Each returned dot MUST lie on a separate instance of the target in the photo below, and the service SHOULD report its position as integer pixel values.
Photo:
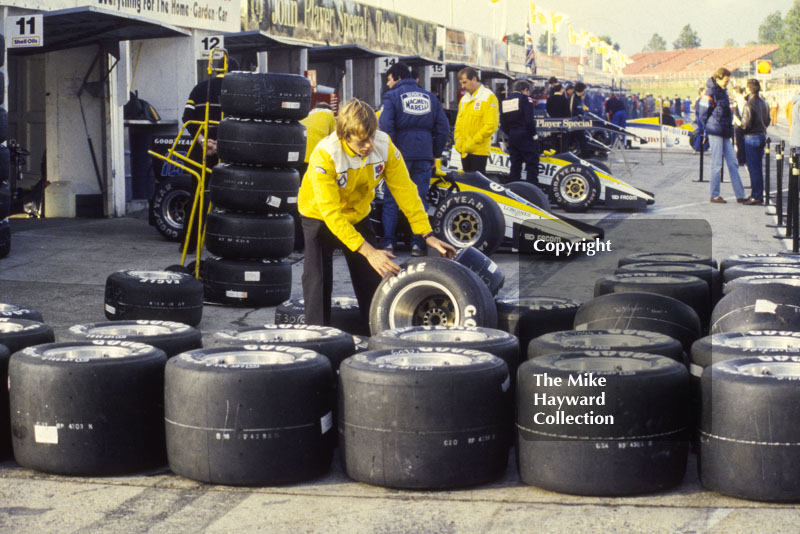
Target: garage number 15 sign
(25, 31)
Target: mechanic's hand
(211, 148)
(445, 249)
(380, 260)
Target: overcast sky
(630, 23)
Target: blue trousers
(420, 171)
(722, 147)
(754, 152)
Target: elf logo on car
(469, 315)
(547, 169)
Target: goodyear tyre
(88, 408)
(575, 188)
(604, 340)
(637, 442)
(765, 307)
(414, 418)
(470, 219)
(345, 315)
(249, 237)
(265, 95)
(154, 295)
(261, 142)
(16, 334)
(282, 398)
(173, 338)
(247, 283)
(254, 189)
(432, 292)
(530, 317)
(172, 204)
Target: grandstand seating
(694, 62)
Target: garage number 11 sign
(25, 31)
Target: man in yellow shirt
(334, 202)
(477, 120)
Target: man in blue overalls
(519, 125)
(416, 123)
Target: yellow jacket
(340, 185)
(319, 124)
(478, 116)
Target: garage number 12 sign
(25, 31)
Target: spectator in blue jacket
(716, 115)
(416, 123)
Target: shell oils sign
(764, 67)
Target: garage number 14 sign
(25, 31)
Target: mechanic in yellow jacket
(334, 202)
(319, 124)
(477, 120)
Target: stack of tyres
(254, 188)
(5, 170)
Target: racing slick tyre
(154, 295)
(5, 238)
(265, 95)
(531, 317)
(5, 422)
(641, 311)
(601, 340)
(12, 311)
(440, 410)
(737, 271)
(760, 279)
(249, 237)
(172, 338)
(716, 348)
(737, 456)
(88, 408)
(530, 192)
(575, 188)
(470, 219)
(3, 124)
(759, 259)
(687, 289)
(16, 334)
(636, 441)
(261, 142)
(432, 292)
(282, 398)
(172, 204)
(480, 264)
(345, 315)
(254, 189)
(705, 272)
(248, 283)
(502, 344)
(766, 307)
(330, 342)
(667, 257)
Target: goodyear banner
(343, 22)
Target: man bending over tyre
(334, 203)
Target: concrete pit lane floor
(59, 267)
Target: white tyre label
(765, 306)
(275, 202)
(294, 156)
(252, 276)
(111, 309)
(45, 434)
(326, 422)
(236, 294)
(290, 105)
(291, 200)
(695, 370)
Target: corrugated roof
(695, 61)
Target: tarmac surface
(59, 266)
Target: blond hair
(356, 119)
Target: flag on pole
(530, 53)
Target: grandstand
(693, 62)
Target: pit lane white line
(657, 210)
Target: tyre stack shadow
(250, 231)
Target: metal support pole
(778, 187)
(766, 173)
(790, 202)
(702, 142)
(794, 180)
